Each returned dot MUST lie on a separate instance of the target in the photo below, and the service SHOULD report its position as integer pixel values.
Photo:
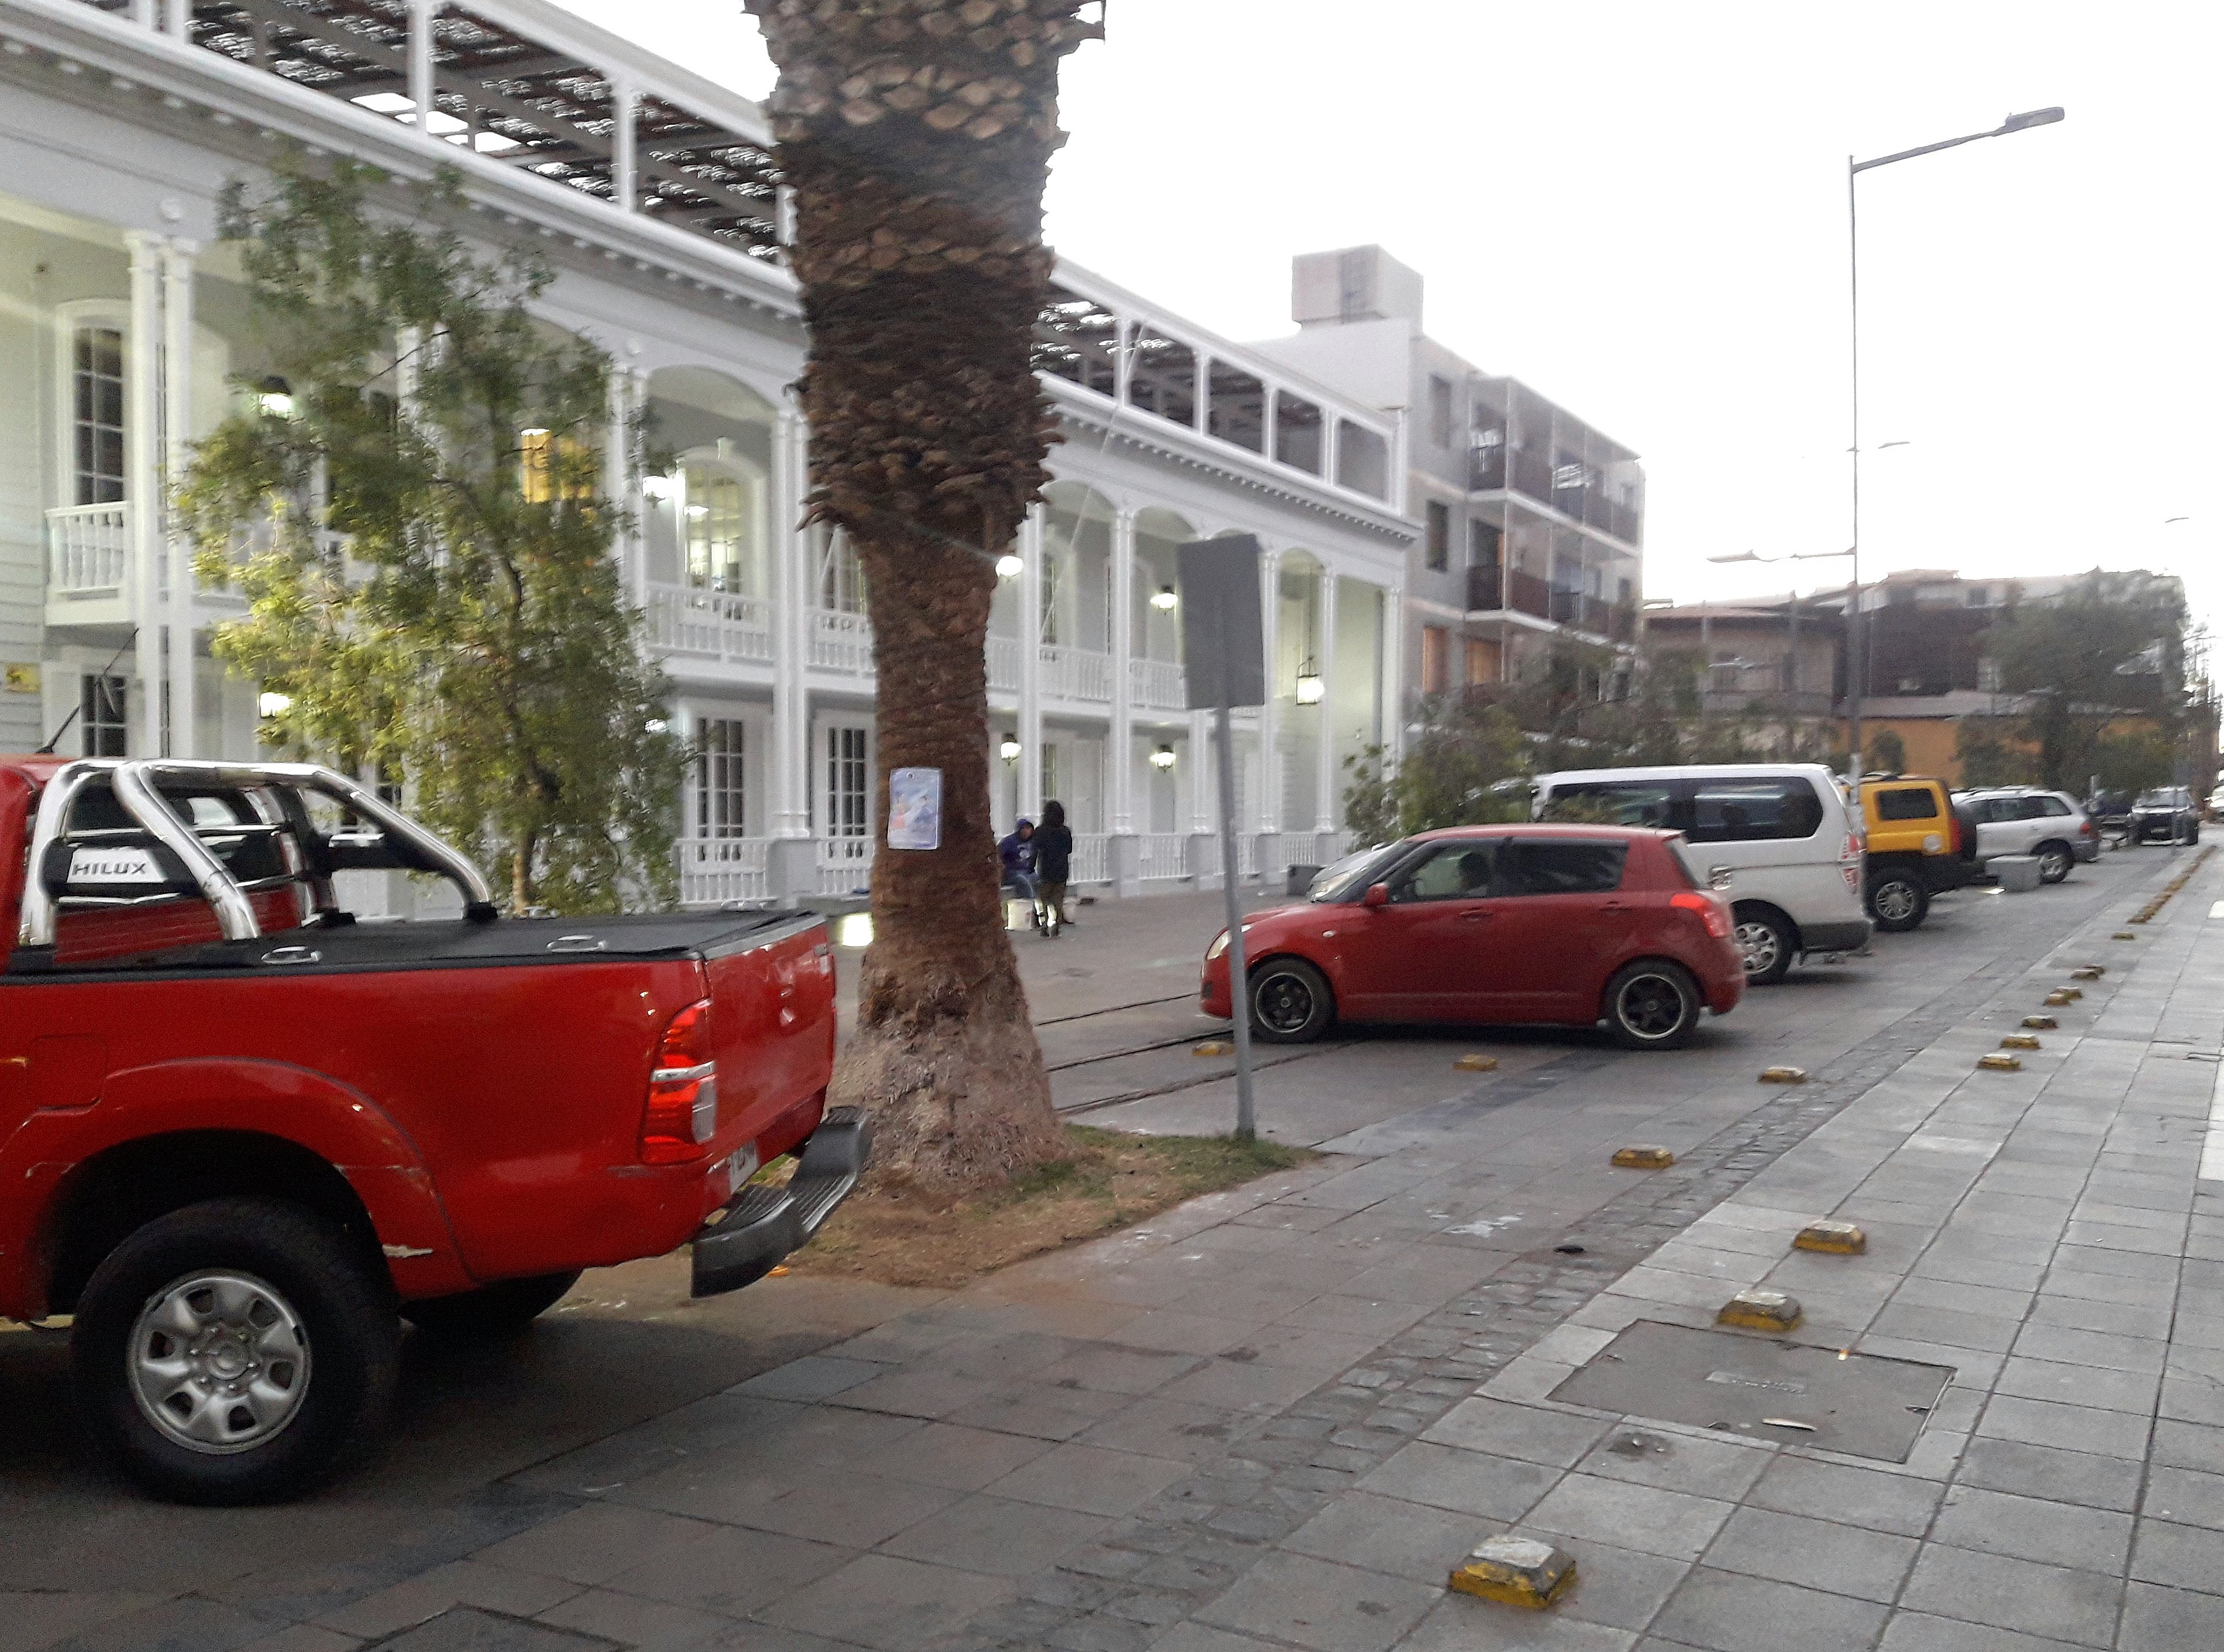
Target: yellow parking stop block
(1783, 1075)
(1476, 1064)
(1515, 1572)
(2062, 994)
(2041, 1023)
(2020, 1042)
(1833, 1238)
(1214, 1047)
(2087, 972)
(1760, 1309)
(1643, 1158)
(1997, 1063)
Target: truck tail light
(1710, 910)
(682, 1112)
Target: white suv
(1777, 838)
(2051, 826)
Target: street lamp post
(1857, 624)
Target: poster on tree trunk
(915, 808)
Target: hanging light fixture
(275, 397)
(1309, 682)
(1008, 750)
(1008, 566)
(1163, 759)
(1163, 599)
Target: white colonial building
(125, 331)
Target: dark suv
(2166, 814)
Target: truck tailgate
(772, 1009)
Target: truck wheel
(1899, 900)
(1651, 1005)
(1290, 1002)
(1764, 944)
(2054, 860)
(235, 1352)
(492, 1310)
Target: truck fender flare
(335, 1122)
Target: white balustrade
(1004, 663)
(1158, 684)
(1091, 860)
(845, 864)
(714, 871)
(1164, 856)
(841, 643)
(1247, 854)
(88, 548)
(711, 624)
(1075, 673)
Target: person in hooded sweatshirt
(1017, 852)
(1053, 846)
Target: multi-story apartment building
(1532, 521)
(125, 331)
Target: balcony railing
(1165, 857)
(1524, 593)
(1091, 861)
(711, 624)
(1004, 663)
(841, 643)
(845, 864)
(1533, 477)
(1075, 673)
(88, 549)
(714, 871)
(1157, 684)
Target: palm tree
(916, 137)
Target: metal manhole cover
(1865, 1405)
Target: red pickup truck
(243, 1135)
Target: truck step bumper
(760, 1224)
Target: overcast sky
(1640, 209)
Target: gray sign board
(1223, 636)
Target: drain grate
(1788, 1393)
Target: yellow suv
(1918, 845)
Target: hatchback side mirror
(1377, 895)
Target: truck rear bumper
(745, 1238)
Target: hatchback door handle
(1475, 917)
(1615, 905)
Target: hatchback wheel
(1898, 901)
(1290, 1002)
(2055, 861)
(1651, 1005)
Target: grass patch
(899, 1235)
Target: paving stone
(848, 1510)
(1642, 1517)
(1444, 1477)
(1793, 1549)
(467, 1628)
(732, 1572)
(2185, 1557)
(1724, 1611)
(1322, 1605)
(1920, 1632)
(997, 1536)
(889, 1604)
(1844, 1495)
(1090, 1478)
(2111, 1391)
(2156, 1619)
(2077, 1427)
(594, 1544)
(651, 1625)
(2045, 1471)
(813, 1377)
(2009, 1593)
(188, 1623)
(1678, 1462)
(2035, 1528)
(1504, 1429)
(1406, 1539)
(468, 1583)
(1457, 1623)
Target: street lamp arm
(2012, 123)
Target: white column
(1201, 782)
(1030, 728)
(793, 593)
(1121, 739)
(177, 436)
(142, 486)
(143, 13)
(421, 13)
(1393, 667)
(623, 486)
(1268, 809)
(624, 185)
(178, 17)
(1324, 768)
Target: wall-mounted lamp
(275, 397)
(656, 487)
(1163, 599)
(1309, 683)
(1163, 759)
(273, 704)
(1008, 566)
(1008, 750)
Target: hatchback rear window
(1907, 803)
(1731, 810)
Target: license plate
(741, 1168)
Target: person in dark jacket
(1053, 848)
(1017, 852)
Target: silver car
(2050, 827)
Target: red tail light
(2085, 827)
(1710, 910)
(682, 1111)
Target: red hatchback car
(1570, 925)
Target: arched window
(720, 528)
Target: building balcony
(1533, 478)
(711, 624)
(1524, 593)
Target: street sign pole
(1224, 651)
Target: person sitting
(1017, 853)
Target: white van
(1777, 836)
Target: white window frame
(70, 319)
(823, 731)
(756, 514)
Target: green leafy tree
(2109, 648)
(1887, 752)
(424, 540)
(1990, 752)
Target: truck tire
(492, 1310)
(238, 1350)
(1898, 899)
(1765, 943)
(2054, 860)
(1290, 1002)
(1653, 1004)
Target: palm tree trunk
(916, 136)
